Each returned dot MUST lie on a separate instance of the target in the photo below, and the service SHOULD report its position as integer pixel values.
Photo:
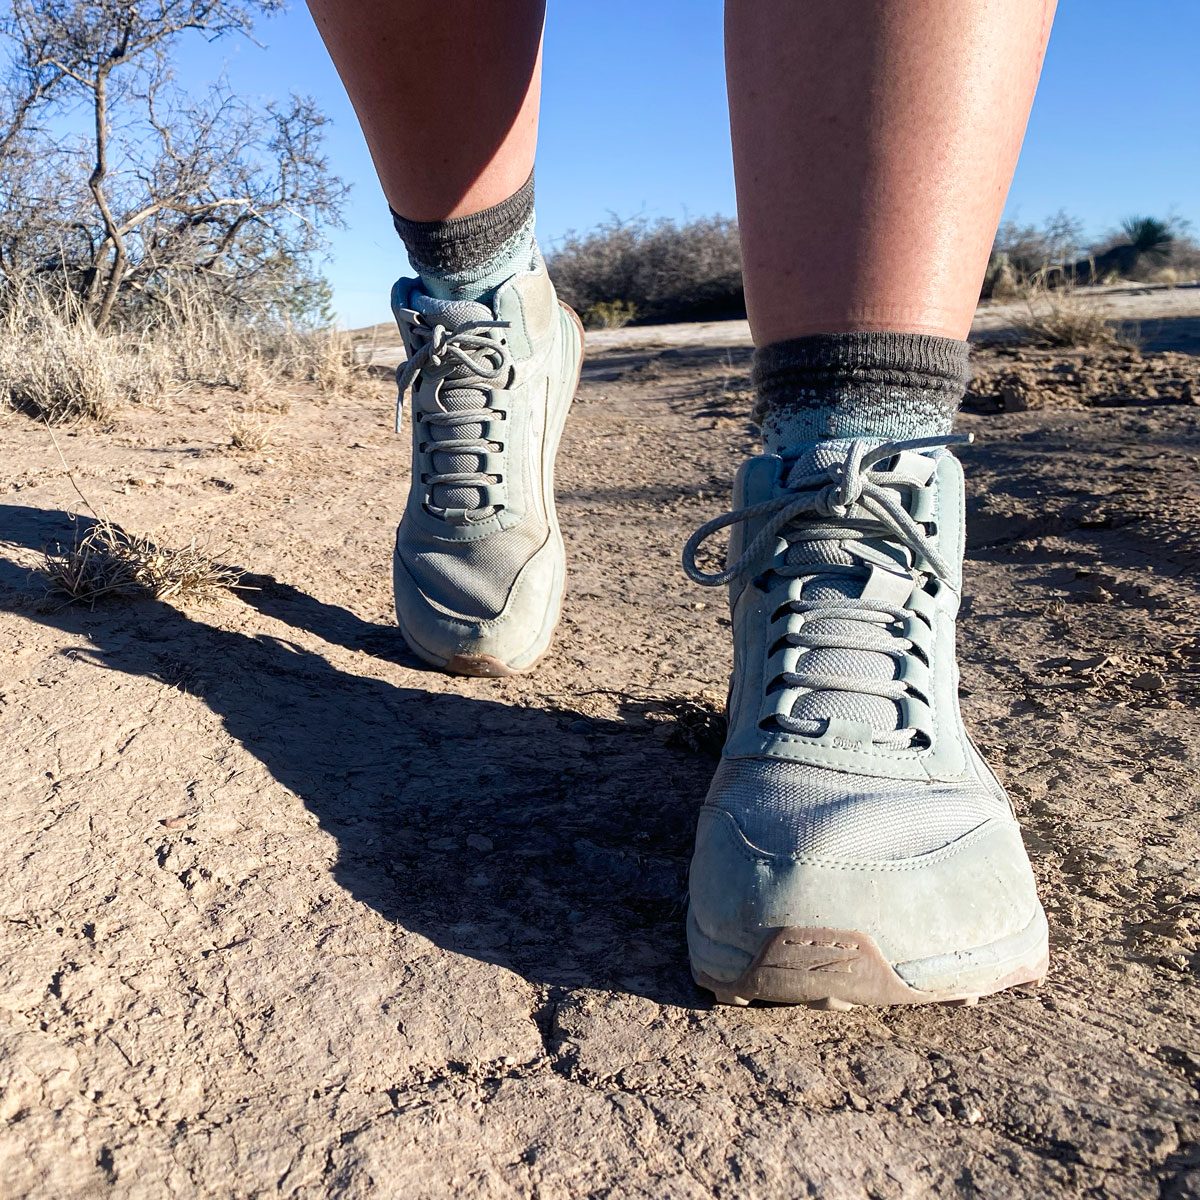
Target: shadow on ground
(538, 839)
(1181, 334)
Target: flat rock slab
(285, 914)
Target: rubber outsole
(841, 969)
(487, 666)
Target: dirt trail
(286, 915)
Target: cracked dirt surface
(283, 914)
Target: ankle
(845, 385)
(465, 258)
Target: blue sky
(634, 121)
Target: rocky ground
(284, 914)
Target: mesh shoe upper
(472, 579)
(787, 808)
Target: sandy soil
(284, 914)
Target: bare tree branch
(168, 187)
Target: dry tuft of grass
(250, 428)
(1065, 318)
(108, 562)
(327, 357)
(608, 314)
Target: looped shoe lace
(844, 503)
(471, 361)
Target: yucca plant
(1144, 238)
(1148, 236)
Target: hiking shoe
(854, 848)
(479, 564)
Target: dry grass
(56, 366)
(608, 314)
(1065, 317)
(329, 360)
(250, 428)
(108, 562)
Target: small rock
(1014, 395)
(478, 842)
(1148, 681)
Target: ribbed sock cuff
(468, 243)
(838, 385)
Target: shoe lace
(824, 506)
(473, 360)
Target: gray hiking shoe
(479, 565)
(854, 848)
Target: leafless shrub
(174, 243)
(1023, 254)
(109, 562)
(668, 271)
(168, 186)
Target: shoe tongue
(881, 714)
(454, 314)
(815, 457)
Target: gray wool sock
(464, 258)
(844, 385)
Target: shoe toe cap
(462, 634)
(976, 890)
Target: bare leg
(874, 144)
(449, 105)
